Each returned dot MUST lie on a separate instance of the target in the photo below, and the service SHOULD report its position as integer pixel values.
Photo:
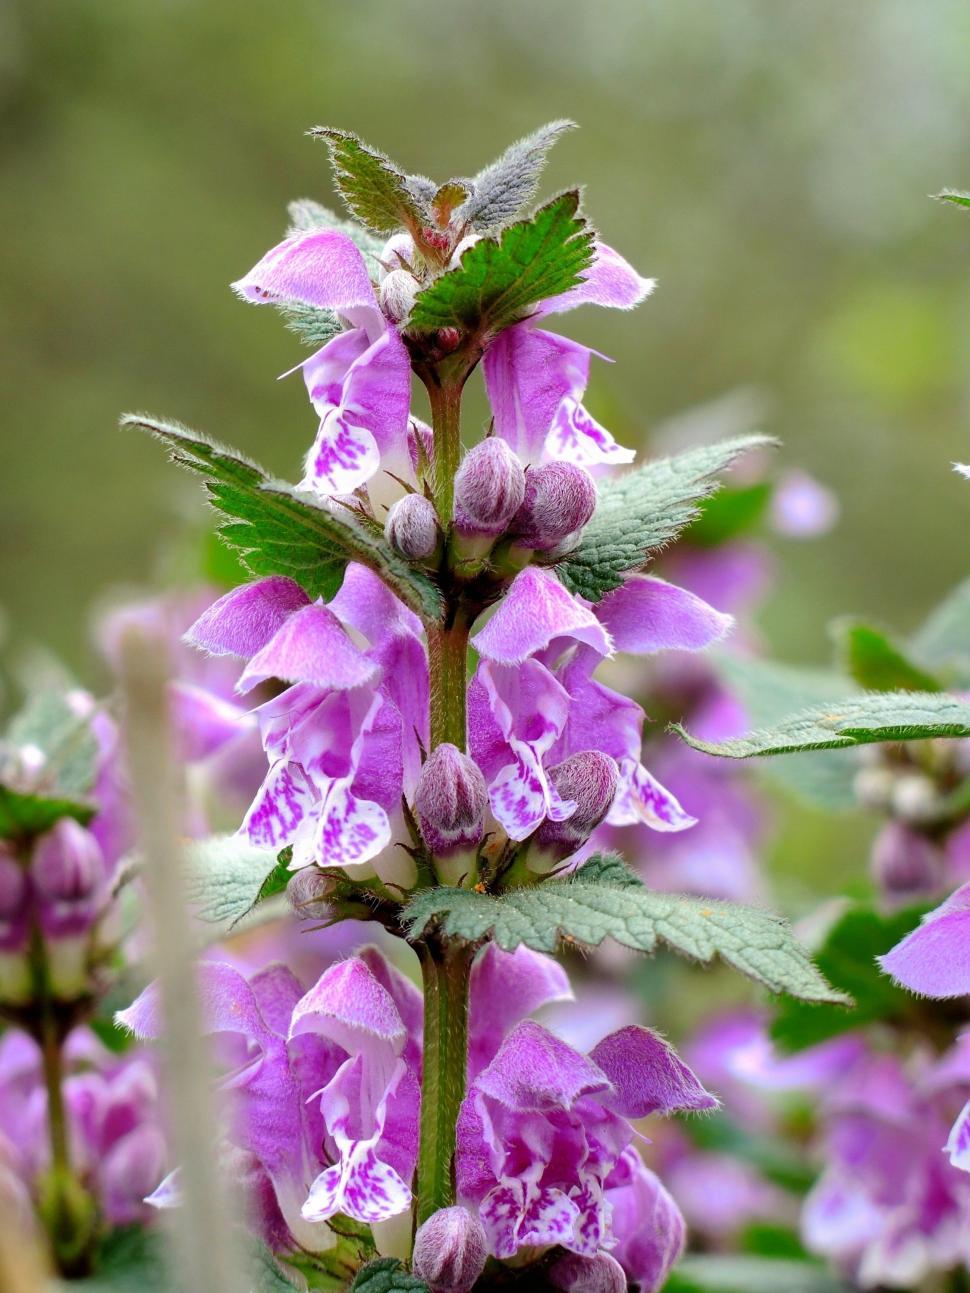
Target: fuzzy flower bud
(412, 527)
(489, 488)
(589, 780)
(559, 499)
(914, 798)
(68, 875)
(599, 1274)
(397, 292)
(450, 1250)
(450, 803)
(905, 864)
(309, 892)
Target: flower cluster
(324, 1108)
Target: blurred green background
(769, 163)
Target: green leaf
(643, 510)
(23, 816)
(314, 326)
(48, 761)
(282, 531)
(226, 877)
(499, 278)
(373, 188)
(501, 190)
(729, 513)
(386, 1275)
(769, 692)
(875, 662)
(956, 196)
(944, 639)
(134, 1260)
(736, 1274)
(847, 958)
(608, 868)
(586, 910)
(865, 719)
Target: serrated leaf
(956, 196)
(225, 879)
(875, 662)
(607, 868)
(584, 911)
(847, 958)
(445, 199)
(944, 639)
(501, 190)
(868, 718)
(737, 1274)
(315, 327)
(280, 531)
(500, 278)
(643, 510)
(373, 188)
(386, 1275)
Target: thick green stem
(446, 969)
(448, 659)
(445, 401)
(54, 1082)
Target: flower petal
(609, 281)
(646, 614)
(283, 802)
(536, 610)
(935, 958)
(647, 1075)
(641, 798)
(536, 1071)
(244, 620)
(575, 436)
(351, 830)
(361, 1186)
(958, 1144)
(506, 987)
(528, 374)
(311, 646)
(348, 1006)
(343, 456)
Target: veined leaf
(386, 1275)
(865, 719)
(374, 189)
(501, 190)
(587, 908)
(500, 278)
(875, 662)
(226, 877)
(280, 531)
(643, 510)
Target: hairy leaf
(500, 278)
(865, 719)
(956, 196)
(501, 190)
(875, 662)
(643, 510)
(314, 326)
(226, 877)
(943, 642)
(585, 910)
(847, 958)
(386, 1275)
(740, 1274)
(281, 531)
(373, 188)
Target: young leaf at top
(643, 510)
(500, 278)
(864, 719)
(372, 187)
(956, 196)
(847, 958)
(875, 662)
(602, 901)
(281, 531)
(501, 190)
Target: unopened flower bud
(589, 780)
(489, 488)
(873, 786)
(450, 803)
(309, 891)
(412, 527)
(905, 864)
(915, 798)
(450, 1250)
(599, 1274)
(559, 499)
(397, 292)
(398, 252)
(68, 875)
(447, 340)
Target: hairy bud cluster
(589, 780)
(450, 803)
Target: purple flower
(536, 380)
(934, 960)
(360, 381)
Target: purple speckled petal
(313, 647)
(934, 959)
(343, 456)
(244, 620)
(323, 268)
(282, 804)
(349, 1006)
(549, 1217)
(609, 281)
(958, 1144)
(536, 610)
(535, 1070)
(351, 831)
(522, 797)
(646, 614)
(641, 798)
(528, 374)
(575, 436)
(647, 1075)
(360, 1186)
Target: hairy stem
(447, 659)
(445, 400)
(445, 969)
